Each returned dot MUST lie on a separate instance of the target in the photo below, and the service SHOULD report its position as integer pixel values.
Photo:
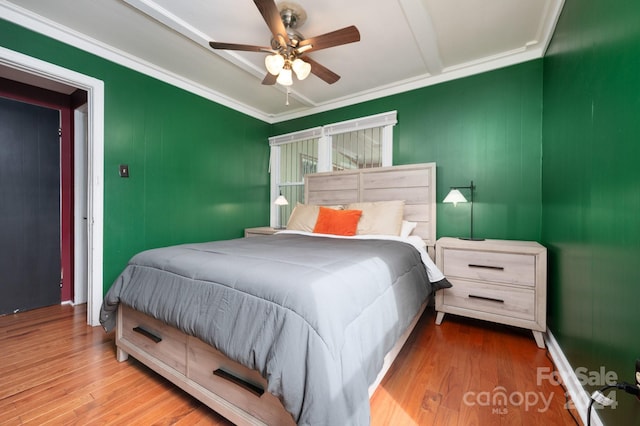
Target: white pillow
(407, 228)
(379, 217)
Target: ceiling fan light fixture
(301, 68)
(285, 78)
(274, 63)
(287, 44)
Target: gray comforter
(315, 316)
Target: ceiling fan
(289, 48)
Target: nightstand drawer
(490, 266)
(491, 298)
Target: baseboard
(577, 393)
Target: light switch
(124, 170)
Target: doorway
(70, 102)
(43, 71)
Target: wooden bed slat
(396, 178)
(326, 198)
(346, 181)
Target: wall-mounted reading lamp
(455, 196)
(280, 202)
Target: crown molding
(46, 27)
(534, 50)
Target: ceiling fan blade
(271, 15)
(269, 79)
(322, 72)
(335, 38)
(243, 47)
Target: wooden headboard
(413, 183)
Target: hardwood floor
(55, 369)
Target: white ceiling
(405, 44)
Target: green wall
(198, 170)
(486, 128)
(591, 189)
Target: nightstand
(257, 232)
(494, 280)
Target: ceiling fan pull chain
(288, 91)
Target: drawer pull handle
(147, 334)
(497, 268)
(490, 299)
(256, 390)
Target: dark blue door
(29, 206)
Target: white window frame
(386, 120)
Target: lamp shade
(454, 196)
(274, 63)
(301, 68)
(281, 201)
(285, 78)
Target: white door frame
(95, 160)
(80, 228)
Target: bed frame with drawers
(231, 389)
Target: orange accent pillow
(337, 222)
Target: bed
(297, 327)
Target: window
(354, 144)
